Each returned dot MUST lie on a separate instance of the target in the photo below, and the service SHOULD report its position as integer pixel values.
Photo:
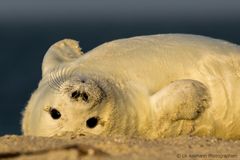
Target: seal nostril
(92, 122)
(84, 96)
(75, 94)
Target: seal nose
(87, 91)
(77, 94)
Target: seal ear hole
(92, 122)
(55, 114)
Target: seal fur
(148, 86)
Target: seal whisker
(53, 81)
(58, 76)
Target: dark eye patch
(92, 122)
(55, 114)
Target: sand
(97, 147)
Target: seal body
(147, 86)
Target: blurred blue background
(28, 28)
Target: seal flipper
(62, 51)
(181, 100)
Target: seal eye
(55, 114)
(92, 122)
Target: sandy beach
(96, 147)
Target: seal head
(65, 101)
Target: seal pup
(147, 86)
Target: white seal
(147, 86)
